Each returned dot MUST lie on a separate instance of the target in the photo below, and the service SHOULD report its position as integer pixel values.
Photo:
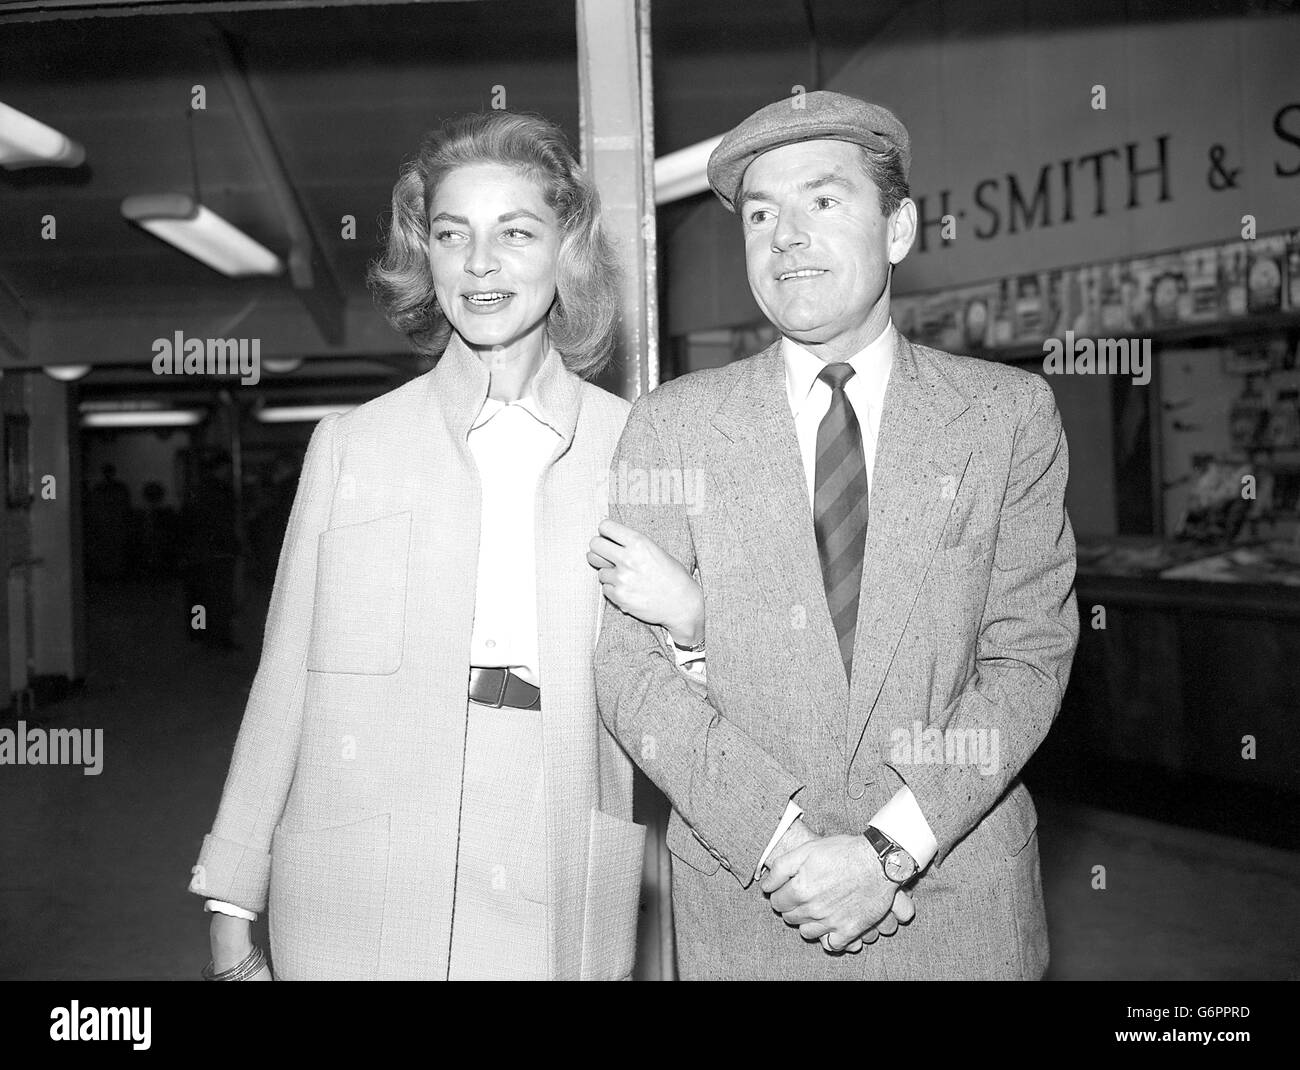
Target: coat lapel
(421, 461)
(569, 762)
(919, 466)
(430, 456)
(761, 475)
(447, 504)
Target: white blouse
(511, 443)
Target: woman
(421, 787)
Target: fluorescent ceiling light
(197, 230)
(292, 414)
(67, 373)
(154, 418)
(682, 173)
(26, 142)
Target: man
(887, 569)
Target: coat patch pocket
(358, 620)
(327, 899)
(615, 860)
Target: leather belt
(499, 687)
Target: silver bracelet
(254, 961)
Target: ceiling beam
(309, 271)
(45, 10)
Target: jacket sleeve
(729, 790)
(235, 862)
(1027, 634)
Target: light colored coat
(967, 620)
(341, 803)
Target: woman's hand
(232, 941)
(648, 583)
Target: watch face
(898, 867)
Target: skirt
(500, 920)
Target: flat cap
(818, 116)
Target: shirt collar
(492, 406)
(870, 365)
(458, 385)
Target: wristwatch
(899, 866)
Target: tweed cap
(822, 115)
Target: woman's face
(493, 246)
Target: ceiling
(344, 94)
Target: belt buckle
(505, 682)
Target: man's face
(817, 249)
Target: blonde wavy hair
(583, 320)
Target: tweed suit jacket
(967, 623)
(341, 805)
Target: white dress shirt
(511, 443)
(900, 819)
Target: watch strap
(881, 843)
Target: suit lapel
(762, 483)
(919, 466)
(920, 463)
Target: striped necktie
(840, 508)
